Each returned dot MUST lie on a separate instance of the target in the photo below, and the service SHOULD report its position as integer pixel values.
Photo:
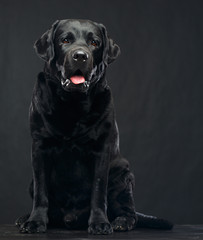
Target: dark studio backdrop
(157, 84)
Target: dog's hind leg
(121, 209)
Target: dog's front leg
(98, 221)
(38, 218)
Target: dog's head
(77, 52)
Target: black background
(157, 84)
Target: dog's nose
(80, 56)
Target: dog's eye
(65, 40)
(94, 43)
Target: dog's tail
(146, 221)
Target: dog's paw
(21, 220)
(100, 228)
(123, 224)
(33, 227)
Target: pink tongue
(77, 79)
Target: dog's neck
(83, 108)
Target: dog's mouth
(76, 80)
(77, 77)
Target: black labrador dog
(80, 179)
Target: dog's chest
(69, 118)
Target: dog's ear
(111, 49)
(44, 46)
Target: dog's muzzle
(76, 71)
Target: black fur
(80, 179)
